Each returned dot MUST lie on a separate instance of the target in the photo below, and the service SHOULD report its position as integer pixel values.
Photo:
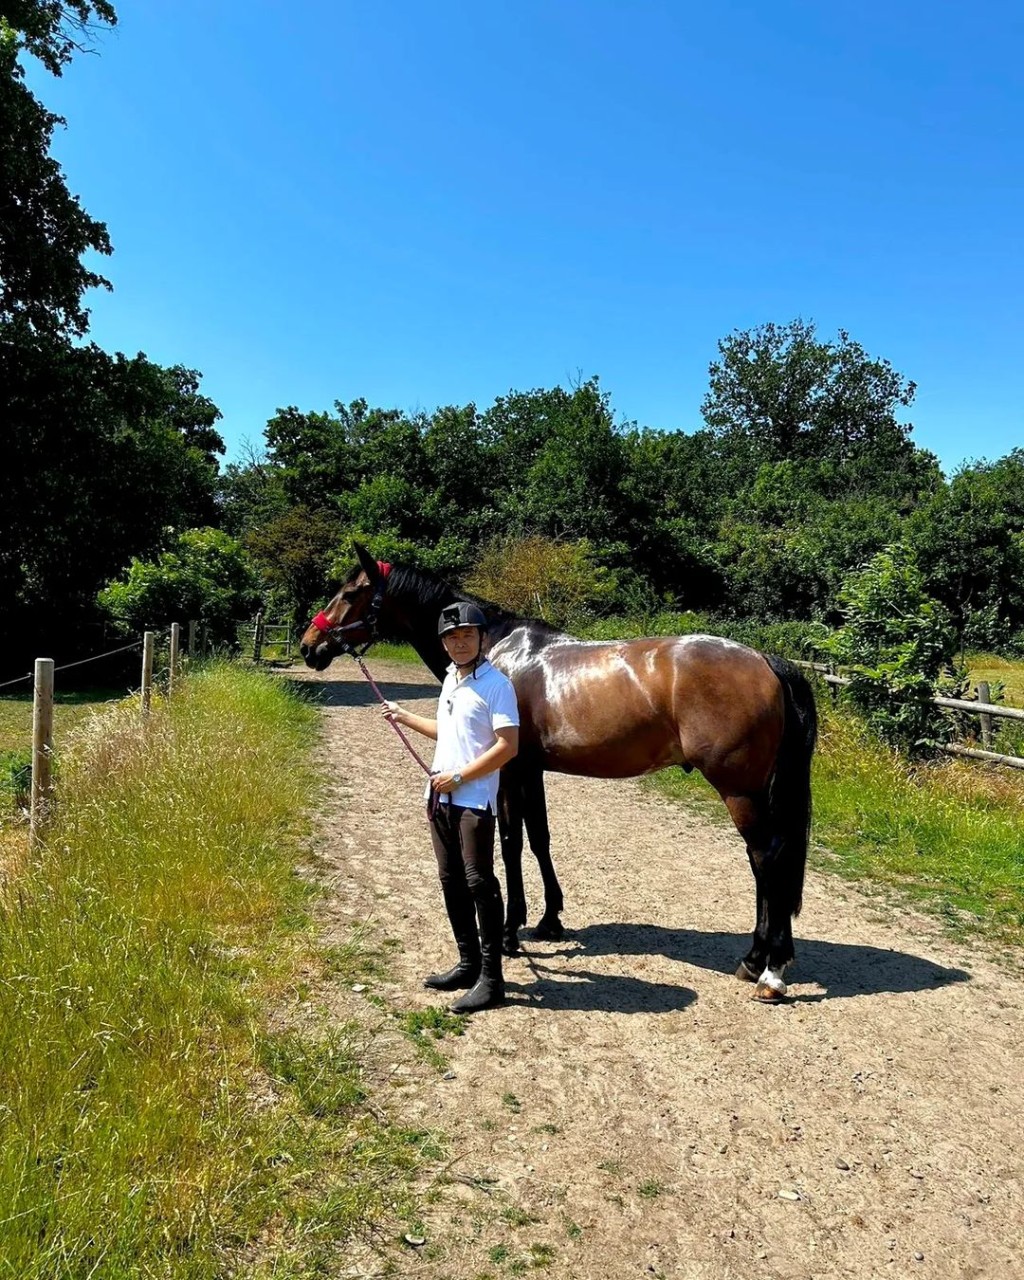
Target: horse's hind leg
(510, 833)
(778, 897)
(535, 812)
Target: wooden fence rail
(985, 711)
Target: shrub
(204, 575)
(895, 642)
(540, 577)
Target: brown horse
(617, 709)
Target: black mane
(413, 602)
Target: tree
(102, 455)
(44, 231)
(794, 397)
(293, 552)
(969, 540)
(54, 30)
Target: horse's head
(351, 617)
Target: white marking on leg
(773, 978)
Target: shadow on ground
(570, 987)
(842, 968)
(347, 693)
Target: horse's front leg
(510, 833)
(535, 814)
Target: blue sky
(427, 204)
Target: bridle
(368, 622)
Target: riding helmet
(460, 614)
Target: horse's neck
(413, 614)
(414, 605)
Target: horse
(745, 720)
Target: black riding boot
(490, 989)
(463, 922)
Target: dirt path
(632, 1112)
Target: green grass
(394, 653)
(1009, 672)
(424, 1026)
(150, 1123)
(950, 835)
(71, 709)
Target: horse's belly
(644, 750)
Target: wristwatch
(456, 779)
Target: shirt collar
(453, 670)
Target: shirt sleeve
(503, 705)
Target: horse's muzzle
(318, 657)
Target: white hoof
(773, 981)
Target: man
(477, 732)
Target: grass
(394, 653)
(151, 1124)
(424, 1026)
(71, 709)
(949, 835)
(1008, 672)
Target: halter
(368, 621)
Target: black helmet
(460, 614)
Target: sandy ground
(632, 1112)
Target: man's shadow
(347, 693)
(842, 968)
(587, 992)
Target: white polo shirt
(468, 712)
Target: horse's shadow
(347, 693)
(842, 968)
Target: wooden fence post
(985, 695)
(192, 638)
(257, 637)
(42, 751)
(147, 671)
(172, 673)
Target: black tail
(789, 792)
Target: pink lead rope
(434, 797)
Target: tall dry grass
(144, 1108)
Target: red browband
(324, 624)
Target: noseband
(367, 622)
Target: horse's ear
(366, 561)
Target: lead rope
(435, 798)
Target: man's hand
(443, 783)
(392, 711)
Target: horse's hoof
(510, 944)
(549, 930)
(768, 995)
(746, 974)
